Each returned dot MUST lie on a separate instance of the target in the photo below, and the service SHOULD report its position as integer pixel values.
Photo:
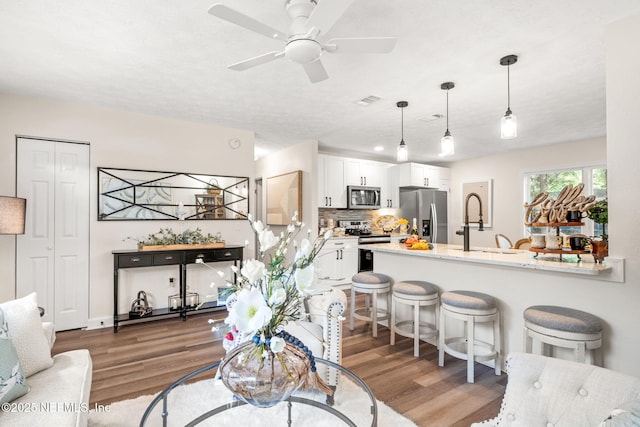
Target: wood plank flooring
(144, 358)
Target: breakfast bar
(514, 277)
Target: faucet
(465, 230)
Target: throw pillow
(13, 383)
(625, 415)
(27, 335)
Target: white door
(53, 254)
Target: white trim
(100, 322)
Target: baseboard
(100, 322)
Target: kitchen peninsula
(514, 277)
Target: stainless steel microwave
(363, 197)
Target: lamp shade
(12, 212)
(402, 154)
(508, 126)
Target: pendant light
(508, 124)
(403, 152)
(446, 143)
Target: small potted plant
(599, 213)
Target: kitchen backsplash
(354, 215)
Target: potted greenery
(599, 213)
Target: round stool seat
(549, 325)
(415, 290)
(469, 300)
(563, 319)
(371, 280)
(371, 284)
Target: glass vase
(262, 378)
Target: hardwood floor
(144, 358)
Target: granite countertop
(494, 256)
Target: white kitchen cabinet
(390, 193)
(337, 262)
(332, 191)
(419, 175)
(363, 172)
(444, 178)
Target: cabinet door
(390, 189)
(332, 192)
(373, 173)
(327, 262)
(418, 175)
(336, 189)
(323, 199)
(348, 263)
(352, 173)
(430, 177)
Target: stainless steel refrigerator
(429, 207)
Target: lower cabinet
(337, 262)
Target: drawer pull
(168, 257)
(135, 259)
(228, 254)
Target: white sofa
(544, 391)
(59, 394)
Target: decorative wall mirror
(129, 194)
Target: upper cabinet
(419, 175)
(390, 190)
(363, 172)
(332, 190)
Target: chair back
(503, 241)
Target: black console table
(179, 257)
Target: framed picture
(284, 198)
(484, 190)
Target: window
(595, 182)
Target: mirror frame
(113, 182)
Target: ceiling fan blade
(223, 12)
(315, 70)
(326, 13)
(361, 45)
(258, 60)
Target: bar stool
(562, 327)
(373, 284)
(470, 307)
(416, 294)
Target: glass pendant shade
(508, 126)
(446, 145)
(402, 154)
(508, 123)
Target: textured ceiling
(169, 58)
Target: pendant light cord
(447, 110)
(402, 124)
(509, 87)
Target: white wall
(303, 157)
(123, 140)
(507, 172)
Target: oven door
(365, 260)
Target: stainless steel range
(362, 229)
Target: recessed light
(378, 148)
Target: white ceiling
(169, 58)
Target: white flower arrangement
(270, 290)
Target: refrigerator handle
(434, 223)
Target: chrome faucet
(465, 230)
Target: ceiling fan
(311, 20)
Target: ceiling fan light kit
(307, 38)
(402, 155)
(508, 123)
(446, 143)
